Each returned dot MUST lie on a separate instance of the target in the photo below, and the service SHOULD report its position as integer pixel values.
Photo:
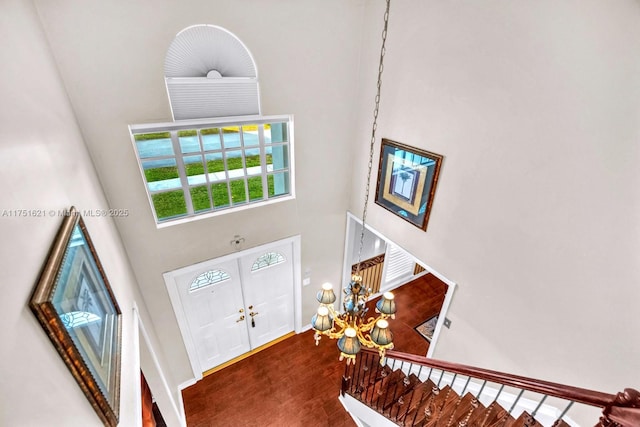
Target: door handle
(253, 314)
(240, 319)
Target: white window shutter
(399, 264)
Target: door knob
(250, 307)
(241, 310)
(240, 319)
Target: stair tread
(401, 396)
(420, 392)
(437, 406)
(373, 395)
(459, 411)
(524, 420)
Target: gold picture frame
(407, 179)
(75, 305)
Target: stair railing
(545, 402)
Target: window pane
(211, 139)
(255, 188)
(215, 166)
(195, 170)
(153, 144)
(278, 184)
(238, 193)
(189, 142)
(234, 163)
(252, 160)
(279, 157)
(220, 195)
(200, 198)
(161, 174)
(169, 204)
(231, 136)
(276, 132)
(250, 135)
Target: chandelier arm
(373, 133)
(365, 340)
(370, 323)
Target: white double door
(236, 304)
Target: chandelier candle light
(351, 327)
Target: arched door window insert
(267, 260)
(209, 278)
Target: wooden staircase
(407, 401)
(415, 391)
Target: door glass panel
(209, 278)
(267, 260)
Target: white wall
(111, 56)
(44, 165)
(535, 106)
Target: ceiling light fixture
(351, 327)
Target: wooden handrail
(576, 394)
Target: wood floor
(294, 383)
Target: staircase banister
(576, 394)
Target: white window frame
(174, 127)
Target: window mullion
(263, 163)
(244, 166)
(182, 172)
(205, 168)
(226, 168)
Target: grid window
(194, 168)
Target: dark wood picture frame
(75, 305)
(407, 178)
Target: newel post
(623, 411)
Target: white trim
(174, 295)
(137, 398)
(346, 269)
(140, 329)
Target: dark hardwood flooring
(295, 383)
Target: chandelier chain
(374, 127)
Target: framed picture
(407, 180)
(75, 305)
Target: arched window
(267, 260)
(209, 278)
(209, 73)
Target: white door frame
(346, 275)
(174, 296)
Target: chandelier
(351, 327)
